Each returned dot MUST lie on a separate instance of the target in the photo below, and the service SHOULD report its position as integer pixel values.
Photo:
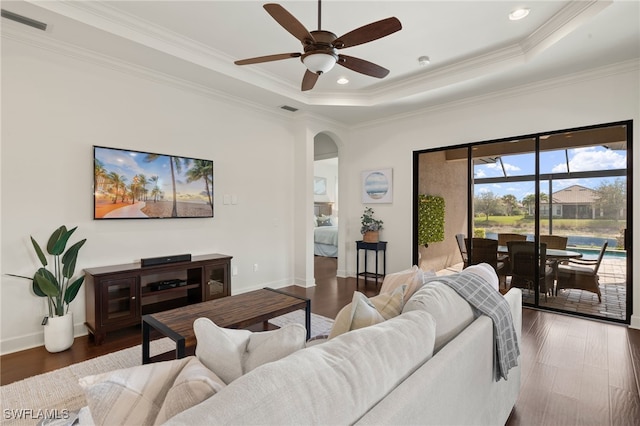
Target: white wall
(327, 169)
(608, 95)
(54, 108)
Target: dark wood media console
(117, 296)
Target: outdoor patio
(612, 286)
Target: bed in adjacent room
(326, 231)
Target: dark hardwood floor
(575, 371)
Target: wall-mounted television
(143, 185)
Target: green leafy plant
(369, 223)
(430, 219)
(58, 285)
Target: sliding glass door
(565, 192)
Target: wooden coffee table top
(239, 311)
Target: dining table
(554, 257)
(552, 254)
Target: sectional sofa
(431, 364)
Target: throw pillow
(451, 312)
(390, 305)
(136, 395)
(231, 353)
(324, 221)
(361, 314)
(194, 384)
(413, 278)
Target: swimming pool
(593, 253)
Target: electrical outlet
(234, 271)
(255, 267)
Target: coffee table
(239, 311)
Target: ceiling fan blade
(368, 33)
(362, 66)
(309, 80)
(268, 58)
(289, 22)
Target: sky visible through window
(594, 158)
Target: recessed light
(518, 14)
(343, 80)
(424, 60)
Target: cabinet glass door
(120, 299)
(216, 281)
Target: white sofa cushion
(137, 395)
(451, 312)
(486, 272)
(231, 353)
(333, 383)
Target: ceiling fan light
(319, 62)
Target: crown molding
(103, 16)
(42, 41)
(624, 67)
(100, 14)
(570, 17)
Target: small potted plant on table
(371, 226)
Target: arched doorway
(325, 205)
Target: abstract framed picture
(319, 186)
(377, 186)
(132, 184)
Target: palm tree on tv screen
(202, 169)
(174, 162)
(156, 189)
(100, 174)
(117, 180)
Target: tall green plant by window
(430, 219)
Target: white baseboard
(34, 340)
(635, 322)
(300, 282)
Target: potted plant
(58, 287)
(371, 227)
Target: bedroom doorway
(325, 204)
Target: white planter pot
(58, 333)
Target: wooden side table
(379, 247)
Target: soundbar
(162, 260)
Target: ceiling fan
(321, 47)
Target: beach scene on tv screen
(138, 185)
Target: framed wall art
(377, 186)
(319, 186)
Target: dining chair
(506, 237)
(554, 241)
(522, 255)
(503, 239)
(581, 274)
(485, 250)
(463, 249)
